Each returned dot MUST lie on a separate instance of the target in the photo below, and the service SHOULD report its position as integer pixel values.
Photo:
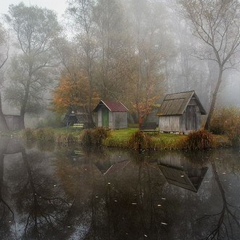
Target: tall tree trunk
(22, 114)
(21, 123)
(90, 101)
(3, 123)
(25, 101)
(214, 99)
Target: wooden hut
(111, 115)
(180, 112)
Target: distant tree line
(130, 51)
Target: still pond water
(73, 194)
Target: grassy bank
(115, 138)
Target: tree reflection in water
(39, 206)
(112, 194)
(134, 200)
(224, 222)
(113, 197)
(44, 210)
(6, 213)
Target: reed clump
(94, 137)
(140, 141)
(199, 140)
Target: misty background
(131, 51)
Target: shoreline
(114, 138)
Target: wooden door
(191, 118)
(105, 117)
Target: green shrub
(199, 140)
(227, 121)
(140, 141)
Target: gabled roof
(176, 103)
(112, 106)
(117, 167)
(182, 178)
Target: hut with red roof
(113, 115)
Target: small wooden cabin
(111, 115)
(181, 112)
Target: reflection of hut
(10, 146)
(180, 112)
(13, 122)
(103, 166)
(111, 115)
(180, 172)
(117, 167)
(190, 180)
(108, 168)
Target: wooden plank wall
(169, 123)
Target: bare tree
(226, 219)
(217, 24)
(31, 70)
(114, 44)
(81, 11)
(152, 48)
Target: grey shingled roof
(176, 103)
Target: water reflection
(6, 212)
(77, 193)
(180, 171)
(224, 222)
(36, 205)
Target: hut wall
(191, 119)
(169, 123)
(120, 120)
(99, 118)
(116, 120)
(111, 120)
(199, 118)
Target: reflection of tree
(82, 181)
(5, 209)
(36, 197)
(112, 201)
(227, 219)
(127, 198)
(133, 201)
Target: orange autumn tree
(73, 93)
(144, 109)
(144, 103)
(144, 88)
